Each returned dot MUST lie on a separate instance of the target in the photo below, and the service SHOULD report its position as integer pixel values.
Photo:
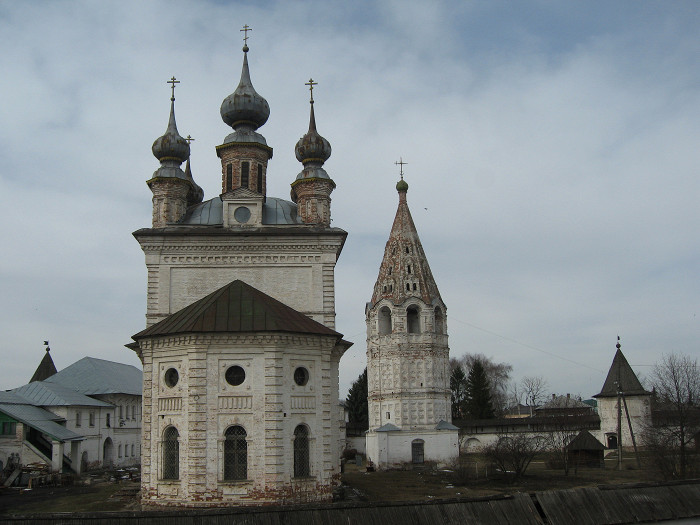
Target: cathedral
(408, 361)
(240, 354)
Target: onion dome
(402, 186)
(196, 194)
(171, 146)
(312, 150)
(244, 109)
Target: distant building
(85, 416)
(408, 367)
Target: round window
(171, 377)
(242, 214)
(235, 375)
(301, 376)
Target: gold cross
(311, 85)
(401, 163)
(245, 30)
(189, 139)
(173, 82)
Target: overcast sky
(552, 152)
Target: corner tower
(408, 355)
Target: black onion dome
(312, 147)
(245, 108)
(171, 145)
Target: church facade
(408, 367)
(240, 356)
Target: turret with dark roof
(46, 368)
(621, 374)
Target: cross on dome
(172, 81)
(401, 163)
(311, 85)
(245, 30)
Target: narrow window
(229, 177)
(414, 287)
(391, 288)
(301, 452)
(389, 270)
(127, 411)
(260, 178)
(439, 321)
(384, 321)
(245, 171)
(171, 454)
(235, 454)
(406, 249)
(385, 289)
(132, 450)
(78, 418)
(119, 451)
(408, 287)
(409, 268)
(121, 412)
(388, 415)
(413, 320)
(108, 422)
(92, 419)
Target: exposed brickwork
(169, 200)
(313, 200)
(234, 154)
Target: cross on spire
(172, 81)
(311, 85)
(245, 30)
(189, 139)
(401, 163)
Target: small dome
(171, 145)
(402, 186)
(312, 147)
(244, 107)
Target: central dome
(245, 108)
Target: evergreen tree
(458, 386)
(478, 402)
(356, 402)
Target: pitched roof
(45, 369)
(585, 441)
(91, 376)
(41, 419)
(236, 307)
(620, 371)
(404, 263)
(43, 393)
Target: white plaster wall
(640, 415)
(393, 449)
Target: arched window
(171, 454)
(413, 320)
(235, 454)
(418, 451)
(301, 452)
(439, 321)
(384, 321)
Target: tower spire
(404, 271)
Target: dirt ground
(472, 481)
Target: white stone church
(240, 356)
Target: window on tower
(229, 177)
(413, 319)
(260, 178)
(245, 173)
(384, 321)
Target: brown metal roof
(237, 307)
(620, 371)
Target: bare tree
(512, 453)
(675, 415)
(534, 389)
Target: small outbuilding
(585, 451)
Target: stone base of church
(178, 494)
(401, 448)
